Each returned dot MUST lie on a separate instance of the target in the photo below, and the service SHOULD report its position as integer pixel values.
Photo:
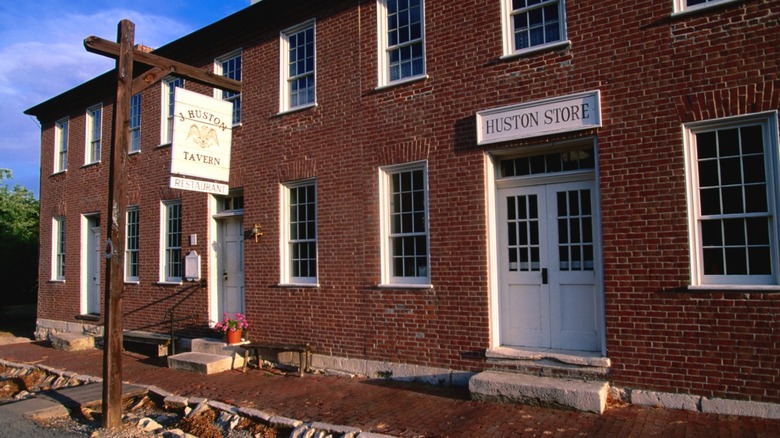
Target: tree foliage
(18, 242)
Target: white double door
(549, 295)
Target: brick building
(552, 187)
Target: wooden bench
(138, 337)
(303, 350)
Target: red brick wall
(655, 72)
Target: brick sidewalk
(400, 409)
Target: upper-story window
(297, 67)
(169, 86)
(732, 190)
(61, 145)
(685, 5)
(229, 66)
(135, 123)
(401, 40)
(94, 121)
(533, 24)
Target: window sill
(55, 281)
(133, 152)
(704, 8)
(163, 145)
(94, 163)
(296, 109)
(59, 172)
(132, 281)
(536, 49)
(169, 283)
(736, 288)
(401, 82)
(298, 285)
(404, 286)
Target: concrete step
(589, 396)
(217, 346)
(72, 341)
(204, 363)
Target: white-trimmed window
(132, 246)
(135, 123)
(58, 249)
(533, 24)
(171, 269)
(297, 67)
(229, 66)
(94, 124)
(299, 234)
(404, 224)
(686, 5)
(169, 86)
(61, 145)
(733, 200)
(401, 40)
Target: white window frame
(681, 6)
(287, 240)
(509, 29)
(130, 250)
(286, 80)
(769, 125)
(166, 261)
(384, 50)
(169, 85)
(134, 134)
(230, 96)
(61, 144)
(58, 244)
(386, 235)
(93, 139)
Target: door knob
(224, 275)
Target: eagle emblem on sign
(204, 137)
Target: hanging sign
(202, 135)
(542, 117)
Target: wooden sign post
(126, 87)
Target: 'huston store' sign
(202, 136)
(542, 117)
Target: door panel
(93, 268)
(232, 279)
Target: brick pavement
(401, 409)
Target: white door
(231, 284)
(93, 269)
(548, 293)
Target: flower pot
(234, 337)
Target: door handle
(544, 275)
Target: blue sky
(42, 55)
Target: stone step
(217, 346)
(72, 341)
(589, 396)
(204, 363)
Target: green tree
(18, 242)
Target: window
(169, 86)
(401, 40)
(732, 179)
(230, 67)
(132, 253)
(404, 207)
(171, 242)
(61, 145)
(58, 249)
(297, 67)
(532, 24)
(135, 123)
(94, 121)
(299, 245)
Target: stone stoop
(503, 386)
(208, 356)
(72, 341)
(554, 378)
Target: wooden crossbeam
(111, 49)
